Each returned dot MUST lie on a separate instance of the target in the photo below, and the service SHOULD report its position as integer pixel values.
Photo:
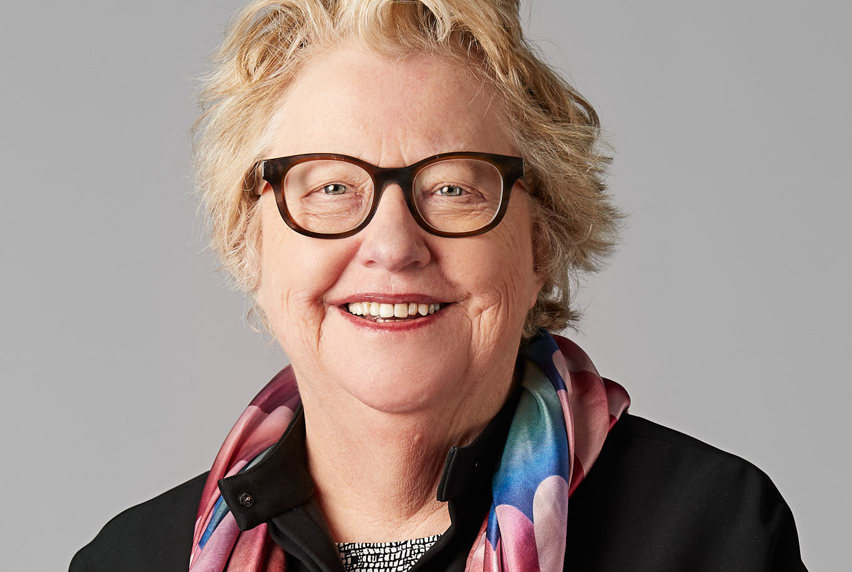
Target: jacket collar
(278, 479)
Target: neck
(377, 474)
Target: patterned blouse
(396, 556)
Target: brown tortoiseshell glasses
(326, 195)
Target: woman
(405, 191)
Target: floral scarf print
(563, 416)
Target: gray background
(725, 313)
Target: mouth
(381, 313)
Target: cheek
(501, 275)
(294, 274)
(515, 259)
(521, 281)
(275, 288)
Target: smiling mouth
(381, 312)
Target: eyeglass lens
(454, 195)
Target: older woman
(405, 191)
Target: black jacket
(655, 500)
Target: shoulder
(656, 495)
(153, 536)
(641, 446)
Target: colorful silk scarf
(562, 419)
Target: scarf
(563, 416)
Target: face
(394, 112)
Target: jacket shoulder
(155, 535)
(663, 498)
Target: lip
(391, 326)
(387, 299)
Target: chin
(400, 388)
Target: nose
(393, 240)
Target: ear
(539, 277)
(537, 284)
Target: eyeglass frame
(273, 171)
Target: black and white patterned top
(386, 556)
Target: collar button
(246, 499)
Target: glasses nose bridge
(401, 176)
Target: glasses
(325, 195)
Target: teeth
(383, 311)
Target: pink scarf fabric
(563, 417)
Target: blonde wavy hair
(554, 128)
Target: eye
(450, 191)
(334, 189)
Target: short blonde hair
(554, 128)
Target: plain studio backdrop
(725, 313)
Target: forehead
(382, 108)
